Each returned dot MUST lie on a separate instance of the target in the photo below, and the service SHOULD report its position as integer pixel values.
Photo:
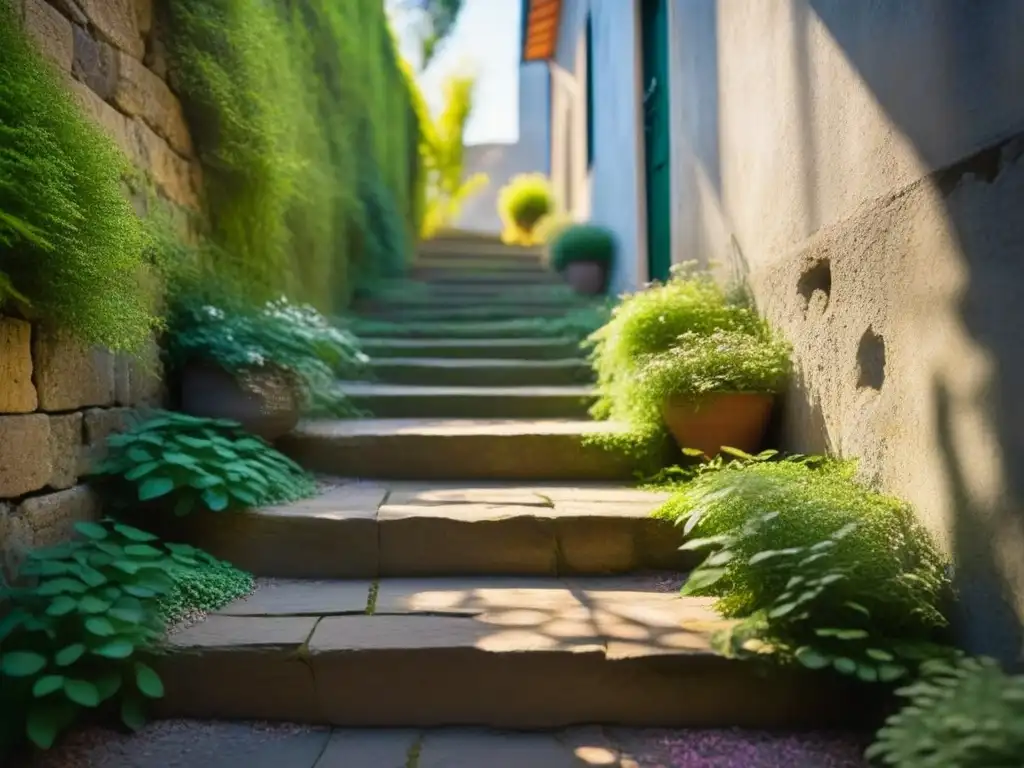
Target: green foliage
(819, 569)
(670, 478)
(650, 323)
(523, 203)
(307, 131)
(205, 587)
(966, 713)
(195, 463)
(720, 361)
(279, 335)
(442, 148)
(582, 242)
(70, 244)
(72, 641)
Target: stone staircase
(487, 568)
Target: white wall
(611, 192)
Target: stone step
(490, 290)
(506, 349)
(458, 449)
(539, 328)
(457, 372)
(485, 263)
(523, 276)
(399, 401)
(370, 530)
(507, 653)
(438, 312)
(417, 295)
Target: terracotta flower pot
(264, 401)
(736, 419)
(587, 278)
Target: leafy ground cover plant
(75, 640)
(818, 569)
(582, 242)
(522, 204)
(962, 713)
(195, 463)
(71, 244)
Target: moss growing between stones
(307, 131)
(70, 244)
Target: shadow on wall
(960, 99)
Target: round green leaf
(134, 533)
(142, 550)
(132, 713)
(67, 656)
(22, 663)
(108, 684)
(845, 665)
(93, 604)
(61, 606)
(100, 626)
(701, 579)
(215, 499)
(82, 692)
(129, 615)
(811, 659)
(60, 586)
(136, 591)
(155, 487)
(93, 531)
(46, 685)
(117, 649)
(148, 681)
(42, 726)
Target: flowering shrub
(290, 337)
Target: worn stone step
(543, 328)
(507, 653)
(540, 348)
(522, 276)
(371, 530)
(459, 449)
(458, 372)
(441, 313)
(490, 290)
(403, 401)
(472, 262)
(415, 295)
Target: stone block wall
(115, 59)
(58, 404)
(58, 400)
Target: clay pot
(264, 401)
(736, 419)
(587, 278)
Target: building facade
(861, 167)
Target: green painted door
(654, 40)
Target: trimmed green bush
(582, 242)
(819, 569)
(70, 244)
(522, 204)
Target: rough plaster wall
(612, 192)
(812, 149)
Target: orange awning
(540, 29)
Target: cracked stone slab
(244, 632)
(299, 597)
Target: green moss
(307, 130)
(70, 244)
(206, 587)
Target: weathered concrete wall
(861, 165)
(610, 192)
(58, 401)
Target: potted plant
(260, 367)
(716, 389)
(524, 203)
(583, 254)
